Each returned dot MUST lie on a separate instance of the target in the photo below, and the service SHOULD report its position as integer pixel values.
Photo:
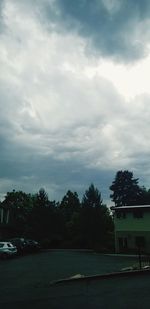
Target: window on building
(121, 215)
(118, 214)
(140, 241)
(123, 244)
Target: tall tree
(69, 205)
(144, 198)
(126, 190)
(92, 197)
(69, 209)
(19, 204)
(96, 222)
(41, 198)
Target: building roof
(129, 207)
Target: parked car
(25, 245)
(32, 245)
(20, 244)
(7, 249)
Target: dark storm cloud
(115, 28)
(27, 171)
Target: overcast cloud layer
(74, 94)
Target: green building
(132, 228)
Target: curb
(105, 276)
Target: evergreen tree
(96, 222)
(41, 198)
(126, 190)
(69, 205)
(92, 197)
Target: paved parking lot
(25, 282)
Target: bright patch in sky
(130, 80)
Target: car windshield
(1, 245)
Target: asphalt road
(26, 282)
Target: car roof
(5, 242)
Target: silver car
(7, 249)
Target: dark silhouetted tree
(20, 205)
(69, 204)
(126, 190)
(41, 198)
(96, 221)
(144, 198)
(70, 211)
(92, 198)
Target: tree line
(71, 223)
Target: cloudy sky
(74, 94)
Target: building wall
(131, 239)
(128, 231)
(130, 223)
